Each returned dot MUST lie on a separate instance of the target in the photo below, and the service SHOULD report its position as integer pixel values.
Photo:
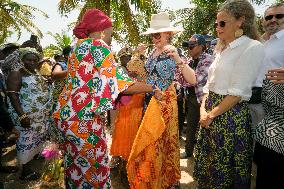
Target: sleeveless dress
(34, 98)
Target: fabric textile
(270, 131)
(269, 165)
(93, 83)
(224, 151)
(235, 69)
(35, 101)
(274, 56)
(154, 158)
(94, 20)
(127, 121)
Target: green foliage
(127, 25)
(15, 16)
(62, 40)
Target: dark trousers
(181, 114)
(270, 166)
(193, 116)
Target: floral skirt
(224, 150)
(85, 154)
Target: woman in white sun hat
(154, 159)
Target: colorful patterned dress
(93, 83)
(34, 98)
(154, 159)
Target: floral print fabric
(34, 98)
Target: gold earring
(239, 32)
(102, 34)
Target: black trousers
(181, 113)
(193, 116)
(270, 166)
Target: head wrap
(124, 52)
(94, 20)
(28, 50)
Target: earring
(102, 34)
(239, 32)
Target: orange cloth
(154, 159)
(127, 122)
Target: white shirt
(235, 69)
(274, 56)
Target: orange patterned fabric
(126, 126)
(154, 159)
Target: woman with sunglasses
(154, 159)
(224, 147)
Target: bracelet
(22, 117)
(154, 88)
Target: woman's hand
(141, 49)
(159, 95)
(173, 53)
(205, 122)
(26, 122)
(276, 75)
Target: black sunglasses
(277, 16)
(156, 35)
(190, 47)
(222, 24)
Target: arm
(226, 104)
(14, 83)
(139, 87)
(187, 72)
(58, 73)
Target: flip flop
(30, 177)
(8, 169)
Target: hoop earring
(239, 32)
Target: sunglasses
(190, 47)
(221, 24)
(277, 16)
(156, 35)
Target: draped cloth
(154, 159)
(126, 126)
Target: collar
(237, 42)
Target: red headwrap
(93, 20)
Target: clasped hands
(205, 119)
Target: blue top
(160, 71)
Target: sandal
(8, 169)
(30, 177)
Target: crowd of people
(228, 91)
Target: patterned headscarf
(125, 52)
(28, 50)
(13, 61)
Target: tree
(62, 40)
(126, 27)
(15, 16)
(201, 18)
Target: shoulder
(206, 58)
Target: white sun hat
(161, 23)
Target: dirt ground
(119, 180)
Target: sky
(56, 23)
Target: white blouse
(235, 69)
